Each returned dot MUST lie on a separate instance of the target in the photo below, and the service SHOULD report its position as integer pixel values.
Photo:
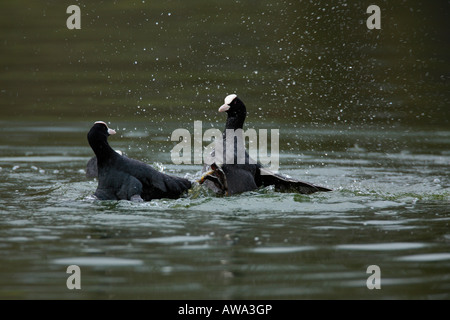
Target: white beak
(224, 108)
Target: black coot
(122, 178)
(245, 174)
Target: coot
(238, 172)
(123, 178)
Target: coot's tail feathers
(155, 184)
(323, 189)
(176, 186)
(285, 184)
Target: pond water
(364, 112)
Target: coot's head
(98, 137)
(101, 129)
(233, 105)
(236, 111)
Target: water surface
(389, 210)
(365, 113)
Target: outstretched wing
(285, 184)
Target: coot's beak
(224, 108)
(111, 131)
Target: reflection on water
(363, 112)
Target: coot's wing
(174, 186)
(155, 184)
(240, 177)
(282, 183)
(91, 168)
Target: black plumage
(238, 172)
(122, 178)
(91, 166)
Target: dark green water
(364, 112)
